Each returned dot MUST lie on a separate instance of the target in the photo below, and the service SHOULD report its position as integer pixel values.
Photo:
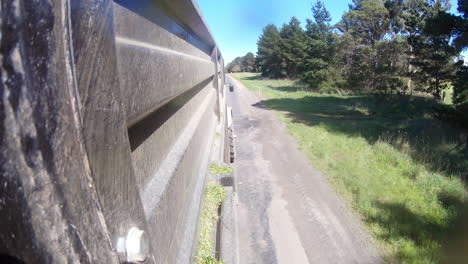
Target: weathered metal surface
(49, 206)
(108, 116)
(169, 59)
(103, 116)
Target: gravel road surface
(288, 212)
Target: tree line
(379, 46)
(245, 63)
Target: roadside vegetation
(379, 46)
(246, 63)
(402, 170)
(379, 102)
(214, 196)
(219, 169)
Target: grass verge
(217, 169)
(214, 196)
(402, 170)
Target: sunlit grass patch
(214, 196)
(218, 169)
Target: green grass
(214, 196)
(217, 169)
(402, 170)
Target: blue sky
(237, 24)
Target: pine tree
(367, 21)
(431, 51)
(450, 25)
(458, 26)
(317, 67)
(268, 54)
(364, 26)
(292, 47)
(461, 41)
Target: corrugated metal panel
(134, 90)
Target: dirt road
(287, 211)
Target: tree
(235, 65)
(268, 54)
(460, 96)
(458, 27)
(292, 47)
(395, 15)
(248, 62)
(364, 26)
(431, 51)
(435, 67)
(321, 29)
(383, 46)
(391, 64)
(461, 42)
(242, 64)
(317, 67)
(367, 21)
